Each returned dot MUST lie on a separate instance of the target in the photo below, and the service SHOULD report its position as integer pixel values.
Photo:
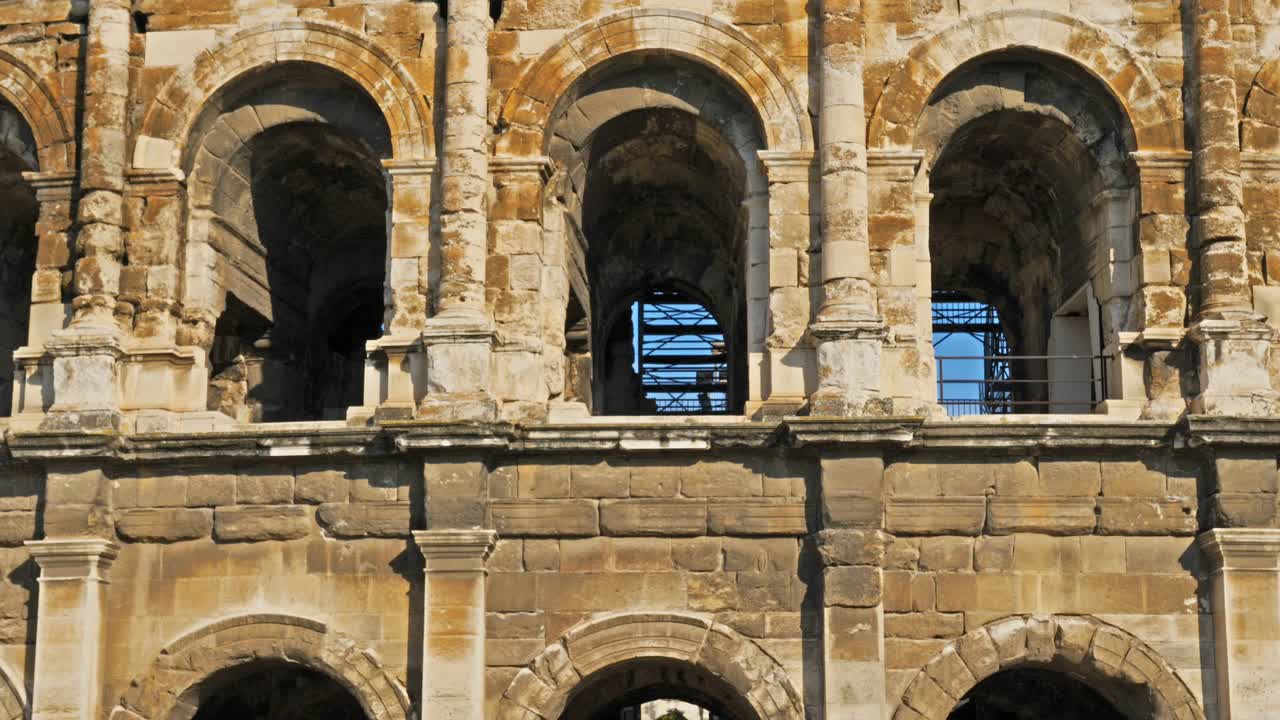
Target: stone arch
(166, 690)
(167, 125)
(1260, 126)
(1095, 651)
(543, 688)
(13, 701)
(37, 104)
(1156, 122)
(729, 52)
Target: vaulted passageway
(290, 195)
(657, 164)
(1032, 215)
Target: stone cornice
(601, 435)
(1241, 549)
(1209, 430)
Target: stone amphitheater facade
(321, 400)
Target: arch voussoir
(1127, 76)
(542, 689)
(731, 53)
(194, 658)
(188, 93)
(1083, 643)
(40, 107)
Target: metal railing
(990, 385)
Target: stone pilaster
(454, 626)
(848, 329)
(1234, 344)
(528, 284)
(70, 630)
(33, 368)
(395, 364)
(899, 222)
(1244, 575)
(783, 301)
(1144, 374)
(851, 547)
(459, 337)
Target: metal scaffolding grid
(680, 355)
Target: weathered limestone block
(672, 518)
(16, 527)
(600, 480)
(1070, 477)
(365, 519)
(260, 522)
(320, 486)
(1052, 516)
(545, 518)
(853, 491)
(752, 517)
(929, 516)
(164, 524)
(852, 547)
(209, 490)
(696, 554)
(264, 487)
(924, 626)
(1146, 516)
(852, 586)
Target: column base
(459, 354)
(849, 370)
(86, 392)
(1234, 368)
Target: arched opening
(655, 169)
(19, 212)
(290, 201)
(266, 690)
(653, 688)
(1033, 693)
(1031, 218)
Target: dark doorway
(1034, 694)
(275, 691)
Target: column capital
(894, 164)
(154, 181)
(787, 165)
(1160, 165)
(1236, 549)
(536, 166)
(455, 550)
(414, 167)
(73, 558)
(51, 185)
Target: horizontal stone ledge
(545, 518)
(162, 525)
(662, 517)
(757, 518)
(1050, 516)
(935, 515)
(249, 523)
(366, 519)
